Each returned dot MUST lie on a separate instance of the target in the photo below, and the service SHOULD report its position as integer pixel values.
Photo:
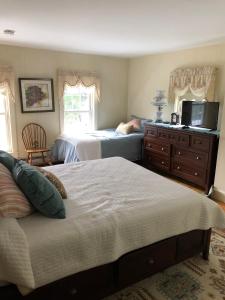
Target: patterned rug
(194, 279)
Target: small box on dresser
(188, 154)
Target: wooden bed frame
(99, 282)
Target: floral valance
(73, 78)
(200, 81)
(7, 80)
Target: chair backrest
(34, 136)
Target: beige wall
(148, 73)
(43, 63)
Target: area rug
(193, 279)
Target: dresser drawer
(163, 135)
(146, 261)
(151, 131)
(182, 139)
(189, 172)
(200, 143)
(183, 155)
(155, 147)
(158, 161)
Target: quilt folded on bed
(87, 147)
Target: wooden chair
(34, 139)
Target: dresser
(188, 154)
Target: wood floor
(222, 204)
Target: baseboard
(218, 195)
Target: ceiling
(124, 28)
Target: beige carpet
(194, 279)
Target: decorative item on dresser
(188, 154)
(159, 101)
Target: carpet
(193, 279)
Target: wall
(43, 63)
(148, 73)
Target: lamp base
(159, 115)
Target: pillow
(143, 121)
(124, 128)
(136, 124)
(7, 160)
(55, 181)
(39, 190)
(13, 203)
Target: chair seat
(37, 150)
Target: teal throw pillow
(7, 160)
(39, 190)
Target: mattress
(98, 144)
(113, 207)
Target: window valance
(73, 78)
(7, 80)
(200, 81)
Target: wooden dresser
(185, 153)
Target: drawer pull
(179, 153)
(198, 142)
(178, 167)
(149, 145)
(162, 149)
(151, 261)
(163, 162)
(73, 292)
(197, 157)
(196, 174)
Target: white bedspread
(87, 146)
(114, 206)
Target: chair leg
(30, 159)
(43, 157)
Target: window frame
(91, 111)
(8, 119)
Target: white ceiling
(121, 28)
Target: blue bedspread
(112, 144)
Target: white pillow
(125, 128)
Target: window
(78, 109)
(5, 123)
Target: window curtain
(7, 91)
(7, 81)
(73, 78)
(200, 81)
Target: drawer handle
(151, 261)
(197, 157)
(196, 174)
(163, 162)
(179, 153)
(149, 145)
(73, 292)
(178, 167)
(162, 149)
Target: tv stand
(188, 154)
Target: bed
(98, 144)
(123, 223)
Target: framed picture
(174, 119)
(36, 95)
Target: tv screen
(200, 114)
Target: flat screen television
(200, 114)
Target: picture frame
(174, 119)
(36, 95)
